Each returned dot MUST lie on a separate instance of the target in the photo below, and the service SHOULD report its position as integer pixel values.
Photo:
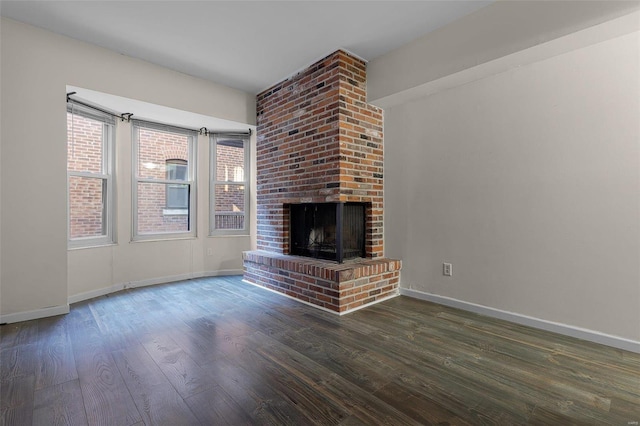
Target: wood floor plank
(537, 338)
(352, 421)
(332, 387)
(220, 351)
(20, 333)
(352, 362)
(544, 417)
(528, 374)
(339, 322)
(106, 398)
(459, 393)
(422, 409)
(425, 365)
(60, 404)
(56, 363)
(584, 374)
(187, 377)
(301, 390)
(270, 322)
(398, 346)
(18, 361)
(215, 407)
(16, 400)
(120, 326)
(259, 399)
(201, 348)
(207, 338)
(157, 401)
(17, 382)
(626, 410)
(518, 379)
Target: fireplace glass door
(332, 231)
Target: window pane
(230, 161)
(152, 203)
(84, 144)
(177, 196)
(87, 207)
(176, 171)
(229, 206)
(155, 148)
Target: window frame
(191, 211)
(106, 175)
(245, 139)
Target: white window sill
(76, 246)
(175, 212)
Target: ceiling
(248, 45)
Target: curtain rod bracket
(126, 116)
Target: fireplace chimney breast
(320, 144)
(319, 141)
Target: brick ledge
(325, 269)
(339, 287)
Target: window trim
(191, 181)
(245, 139)
(108, 159)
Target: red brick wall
(319, 141)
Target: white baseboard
(35, 314)
(152, 281)
(567, 330)
(161, 280)
(322, 307)
(222, 273)
(94, 293)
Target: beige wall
(495, 31)
(528, 182)
(37, 270)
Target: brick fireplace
(319, 142)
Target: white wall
(495, 31)
(528, 182)
(38, 274)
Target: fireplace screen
(333, 231)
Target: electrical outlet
(209, 252)
(447, 269)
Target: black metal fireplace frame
(339, 250)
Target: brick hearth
(319, 141)
(339, 287)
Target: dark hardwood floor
(218, 351)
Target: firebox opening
(332, 231)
